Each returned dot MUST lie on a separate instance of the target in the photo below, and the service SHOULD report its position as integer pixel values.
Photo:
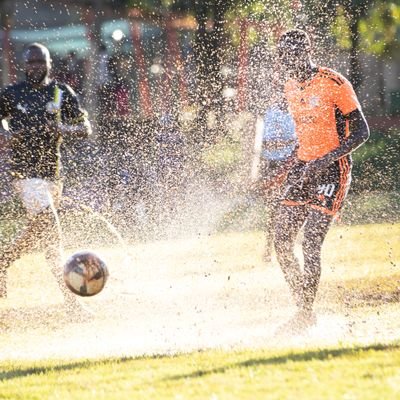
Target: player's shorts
(326, 192)
(37, 194)
(269, 168)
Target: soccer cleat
(305, 319)
(298, 324)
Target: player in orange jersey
(329, 126)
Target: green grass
(372, 207)
(370, 372)
(360, 267)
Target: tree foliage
(377, 26)
(380, 29)
(367, 26)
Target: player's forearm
(359, 133)
(3, 132)
(4, 138)
(77, 131)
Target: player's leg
(329, 193)
(53, 255)
(289, 220)
(53, 258)
(272, 204)
(24, 242)
(315, 230)
(268, 233)
(268, 170)
(28, 238)
(51, 236)
(260, 174)
(36, 195)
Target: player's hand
(5, 138)
(274, 182)
(74, 131)
(314, 168)
(5, 134)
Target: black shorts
(325, 192)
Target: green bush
(371, 207)
(376, 163)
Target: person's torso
(32, 108)
(318, 121)
(32, 116)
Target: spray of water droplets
(164, 187)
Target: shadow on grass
(20, 372)
(23, 372)
(321, 355)
(16, 371)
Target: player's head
(37, 63)
(294, 49)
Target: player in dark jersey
(40, 113)
(329, 126)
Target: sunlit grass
(360, 268)
(370, 372)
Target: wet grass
(360, 271)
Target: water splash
(57, 221)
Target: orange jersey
(319, 106)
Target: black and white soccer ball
(85, 273)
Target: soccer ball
(85, 273)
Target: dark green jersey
(31, 114)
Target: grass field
(195, 319)
(370, 372)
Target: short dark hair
(45, 51)
(295, 39)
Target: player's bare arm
(280, 174)
(4, 133)
(75, 131)
(359, 133)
